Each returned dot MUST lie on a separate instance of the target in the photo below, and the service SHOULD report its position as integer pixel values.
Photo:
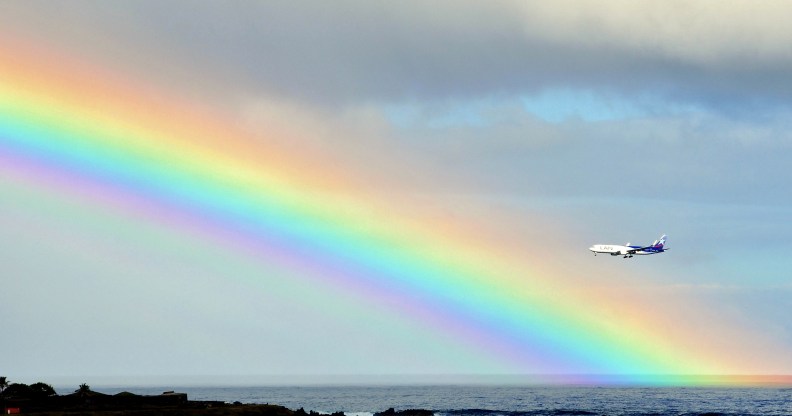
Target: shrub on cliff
(34, 391)
(41, 390)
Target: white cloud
(707, 33)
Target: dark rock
(407, 412)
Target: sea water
(465, 400)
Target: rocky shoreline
(87, 402)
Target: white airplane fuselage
(616, 250)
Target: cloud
(496, 148)
(697, 156)
(353, 52)
(708, 34)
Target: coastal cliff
(98, 404)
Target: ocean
(468, 400)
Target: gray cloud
(694, 156)
(350, 52)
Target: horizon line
(267, 380)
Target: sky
(319, 191)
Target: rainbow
(92, 134)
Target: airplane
(628, 251)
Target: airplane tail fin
(661, 242)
